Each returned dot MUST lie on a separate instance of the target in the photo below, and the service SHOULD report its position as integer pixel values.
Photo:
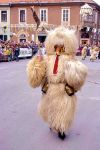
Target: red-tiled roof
(45, 1)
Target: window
(3, 16)
(3, 37)
(43, 15)
(22, 15)
(65, 15)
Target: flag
(36, 18)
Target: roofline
(11, 4)
(4, 4)
(48, 3)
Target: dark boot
(50, 129)
(62, 136)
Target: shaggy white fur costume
(94, 53)
(57, 108)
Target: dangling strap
(55, 69)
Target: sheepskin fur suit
(84, 52)
(57, 108)
(94, 53)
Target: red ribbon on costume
(55, 69)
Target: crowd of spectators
(9, 50)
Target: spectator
(42, 49)
(17, 50)
(1, 50)
(35, 48)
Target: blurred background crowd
(11, 50)
(93, 51)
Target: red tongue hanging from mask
(55, 69)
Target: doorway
(41, 38)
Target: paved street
(22, 129)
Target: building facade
(21, 26)
(5, 22)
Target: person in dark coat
(99, 55)
(17, 50)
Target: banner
(25, 52)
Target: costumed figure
(84, 52)
(94, 53)
(60, 75)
